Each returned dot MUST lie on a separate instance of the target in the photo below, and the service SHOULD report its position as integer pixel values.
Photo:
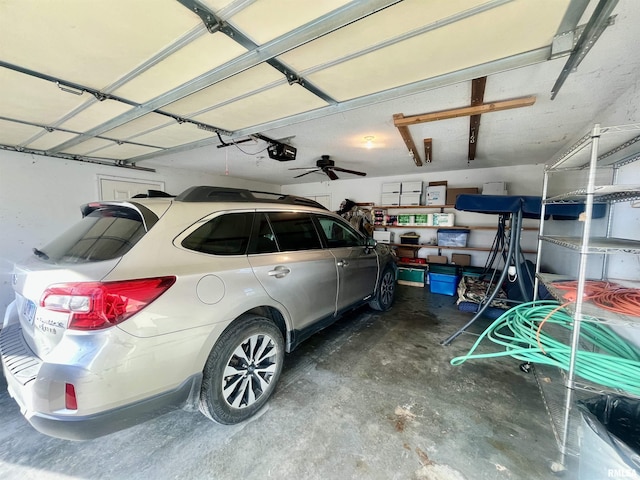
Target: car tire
(242, 370)
(386, 291)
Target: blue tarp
(530, 206)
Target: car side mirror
(370, 244)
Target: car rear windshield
(106, 233)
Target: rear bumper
(33, 385)
(100, 424)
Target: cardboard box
(462, 259)
(406, 252)
(390, 199)
(383, 236)
(424, 220)
(436, 259)
(409, 199)
(411, 187)
(443, 219)
(391, 187)
(452, 193)
(406, 219)
(436, 195)
(494, 188)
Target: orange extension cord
(606, 295)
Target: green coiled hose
(603, 357)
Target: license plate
(29, 311)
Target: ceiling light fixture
(369, 141)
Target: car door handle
(342, 263)
(279, 272)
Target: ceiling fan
(328, 166)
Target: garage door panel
(237, 86)
(50, 140)
(196, 58)
(34, 100)
(95, 114)
(272, 104)
(173, 135)
(13, 133)
(498, 33)
(105, 36)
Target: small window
(224, 235)
(294, 231)
(263, 241)
(339, 234)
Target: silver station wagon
(153, 304)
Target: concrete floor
(371, 397)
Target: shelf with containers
(597, 157)
(448, 225)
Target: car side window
(263, 240)
(294, 231)
(226, 234)
(339, 234)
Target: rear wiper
(41, 254)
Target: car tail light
(96, 305)
(70, 400)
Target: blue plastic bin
(452, 237)
(443, 283)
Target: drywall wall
(40, 197)
(520, 180)
(625, 216)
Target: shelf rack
(590, 311)
(616, 142)
(435, 227)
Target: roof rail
(205, 193)
(154, 194)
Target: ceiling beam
(477, 98)
(464, 111)
(408, 141)
(595, 26)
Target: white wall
(41, 196)
(521, 180)
(626, 217)
(626, 220)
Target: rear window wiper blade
(40, 254)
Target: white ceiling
(133, 83)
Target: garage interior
(105, 100)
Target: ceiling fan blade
(332, 175)
(362, 174)
(305, 173)
(304, 168)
